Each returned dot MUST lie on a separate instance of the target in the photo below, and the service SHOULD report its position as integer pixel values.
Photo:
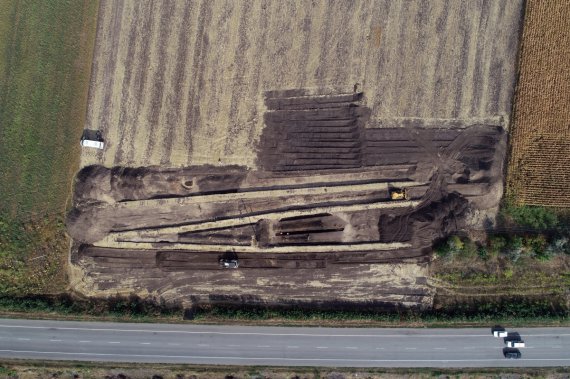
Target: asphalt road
(238, 345)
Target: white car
(515, 343)
(500, 333)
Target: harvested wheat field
(539, 168)
(323, 146)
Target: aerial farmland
(324, 145)
(539, 168)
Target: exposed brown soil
(280, 140)
(307, 225)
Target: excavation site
(338, 213)
(250, 158)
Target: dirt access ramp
(181, 83)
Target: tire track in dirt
(367, 27)
(479, 56)
(439, 13)
(316, 44)
(487, 58)
(114, 73)
(437, 46)
(474, 32)
(418, 42)
(211, 130)
(198, 66)
(447, 74)
(386, 93)
(124, 116)
(306, 28)
(158, 84)
(257, 107)
(179, 150)
(140, 83)
(343, 70)
(94, 87)
(143, 131)
(110, 70)
(241, 68)
(324, 38)
(113, 143)
(465, 37)
(179, 76)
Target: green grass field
(46, 51)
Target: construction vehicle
(399, 194)
(229, 263)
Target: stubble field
(178, 83)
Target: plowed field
(539, 168)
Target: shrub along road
(237, 345)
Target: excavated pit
(315, 224)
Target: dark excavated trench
(316, 158)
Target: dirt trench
(317, 224)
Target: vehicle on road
(515, 343)
(499, 331)
(514, 338)
(229, 263)
(511, 353)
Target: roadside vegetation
(86, 370)
(526, 257)
(45, 62)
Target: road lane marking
(440, 348)
(84, 341)
(379, 348)
(350, 347)
(144, 343)
(322, 347)
(277, 334)
(113, 342)
(233, 345)
(174, 344)
(226, 358)
(23, 339)
(292, 347)
(54, 340)
(203, 344)
(411, 348)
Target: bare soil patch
(233, 131)
(309, 229)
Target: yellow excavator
(399, 194)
